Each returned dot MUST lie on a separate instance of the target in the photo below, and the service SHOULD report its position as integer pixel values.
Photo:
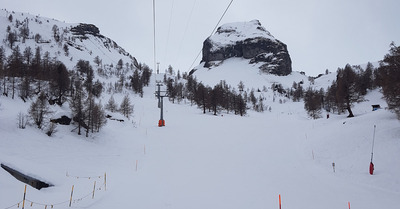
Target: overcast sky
(320, 34)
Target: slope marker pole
(23, 201)
(105, 181)
(94, 188)
(72, 192)
(371, 165)
(280, 203)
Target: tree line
(210, 99)
(352, 84)
(31, 75)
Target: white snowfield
(205, 161)
(202, 161)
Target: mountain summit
(251, 41)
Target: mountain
(251, 41)
(197, 160)
(66, 42)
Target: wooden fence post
(72, 192)
(23, 201)
(94, 188)
(105, 181)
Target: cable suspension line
(154, 33)
(169, 30)
(186, 28)
(190, 68)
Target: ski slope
(205, 161)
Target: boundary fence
(71, 200)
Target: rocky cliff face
(251, 41)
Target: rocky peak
(83, 29)
(249, 40)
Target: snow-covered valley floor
(205, 161)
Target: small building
(375, 107)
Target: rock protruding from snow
(83, 29)
(251, 41)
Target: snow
(236, 69)
(231, 33)
(89, 48)
(205, 161)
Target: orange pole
(349, 204)
(280, 203)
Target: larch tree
(39, 110)
(60, 82)
(77, 104)
(15, 66)
(313, 103)
(389, 71)
(126, 108)
(347, 93)
(111, 105)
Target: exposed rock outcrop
(83, 29)
(251, 41)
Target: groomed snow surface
(205, 161)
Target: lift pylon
(160, 95)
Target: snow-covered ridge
(59, 39)
(230, 33)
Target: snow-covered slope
(84, 47)
(234, 70)
(205, 161)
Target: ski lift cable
(112, 60)
(154, 40)
(219, 21)
(216, 26)
(154, 33)
(185, 31)
(169, 30)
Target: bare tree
(60, 82)
(126, 107)
(346, 93)
(99, 117)
(312, 103)
(389, 71)
(39, 110)
(77, 105)
(21, 120)
(111, 105)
